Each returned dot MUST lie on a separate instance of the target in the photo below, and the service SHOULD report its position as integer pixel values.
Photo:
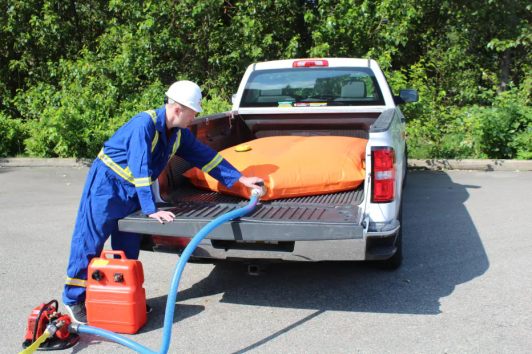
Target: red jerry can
(116, 300)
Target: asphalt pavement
(465, 285)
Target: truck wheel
(405, 168)
(396, 260)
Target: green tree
(71, 72)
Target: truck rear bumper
(376, 246)
(310, 251)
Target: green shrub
(12, 135)
(76, 118)
(215, 104)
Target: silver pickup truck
(304, 97)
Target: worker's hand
(162, 215)
(251, 182)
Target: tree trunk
(505, 70)
(510, 15)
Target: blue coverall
(119, 183)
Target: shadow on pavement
(442, 249)
(5, 169)
(89, 340)
(278, 333)
(155, 321)
(156, 317)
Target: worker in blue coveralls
(119, 183)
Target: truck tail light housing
(383, 166)
(307, 63)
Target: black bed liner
(321, 217)
(191, 194)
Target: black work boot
(78, 312)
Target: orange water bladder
(293, 166)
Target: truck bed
(320, 217)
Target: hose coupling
(73, 328)
(259, 192)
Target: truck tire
(405, 166)
(396, 260)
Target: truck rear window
(311, 87)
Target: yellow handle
(32, 348)
(243, 148)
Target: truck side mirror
(407, 96)
(233, 97)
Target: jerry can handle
(117, 253)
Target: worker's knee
(127, 242)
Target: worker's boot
(78, 312)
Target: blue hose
(172, 294)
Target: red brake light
(307, 63)
(383, 175)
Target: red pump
(116, 300)
(47, 317)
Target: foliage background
(73, 71)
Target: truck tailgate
(322, 217)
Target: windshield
(311, 87)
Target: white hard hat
(186, 93)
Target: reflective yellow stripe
(126, 173)
(177, 143)
(76, 282)
(112, 165)
(153, 116)
(143, 182)
(76, 279)
(215, 162)
(154, 142)
(141, 179)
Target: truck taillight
(307, 63)
(383, 162)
